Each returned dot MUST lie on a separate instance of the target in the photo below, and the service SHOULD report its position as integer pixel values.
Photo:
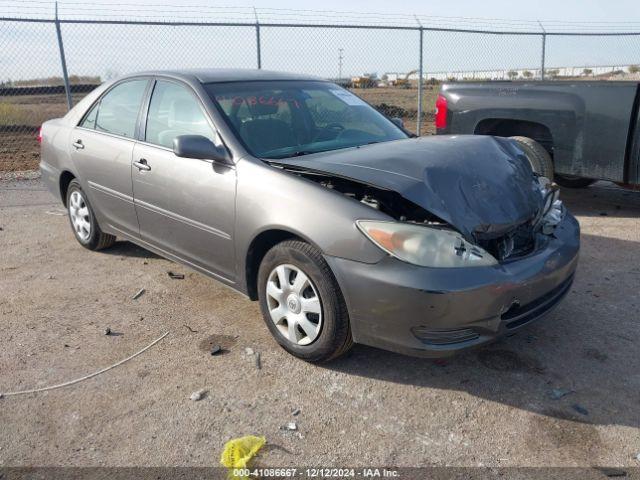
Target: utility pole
(340, 57)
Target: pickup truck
(577, 131)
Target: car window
(266, 105)
(90, 119)
(117, 111)
(175, 111)
(327, 109)
(278, 119)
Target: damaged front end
(407, 240)
(525, 238)
(452, 207)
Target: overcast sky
(578, 10)
(574, 10)
(30, 50)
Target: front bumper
(435, 312)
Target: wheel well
(257, 250)
(501, 127)
(65, 180)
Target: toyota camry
(296, 193)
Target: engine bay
(389, 202)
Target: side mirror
(398, 121)
(198, 147)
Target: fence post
(63, 62)
(544, 48)
(419, 120)
(258, 46)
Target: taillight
(441, 112)
(40, 135)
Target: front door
(102, 149)
(185, 207)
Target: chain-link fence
(47, 64)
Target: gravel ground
(489, 407)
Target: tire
(83, 221)
(327, 335)
(538, 157)
(571, 181)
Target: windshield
(280, 119)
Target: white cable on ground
(86, 377)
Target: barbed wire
(72, 9)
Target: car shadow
(580, 363)
(127, 249)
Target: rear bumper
(51, 178)
(437, 312)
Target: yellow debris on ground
(238, 452)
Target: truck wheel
(539, 158)
(302, 304)
(571, 181)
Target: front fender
(269, 198)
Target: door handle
(142, 165)
(78, 144)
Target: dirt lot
(488, 407)
(20, 118)
(404, 99)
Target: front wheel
(302, 304)
(83, 221)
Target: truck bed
(590, 128)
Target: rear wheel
(302, 304)
(538, 157)
(571, 181)
(83, 221)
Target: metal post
(63, 62)
(419, 120)
(544, 48)
(258, 46)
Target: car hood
(482, 186)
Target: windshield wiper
(297, 153)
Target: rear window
(117, 112)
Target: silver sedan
(297, 193)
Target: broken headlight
(425, 246)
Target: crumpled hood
(483, 186)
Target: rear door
(102, 148)
(186, 207)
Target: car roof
(213, 75)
